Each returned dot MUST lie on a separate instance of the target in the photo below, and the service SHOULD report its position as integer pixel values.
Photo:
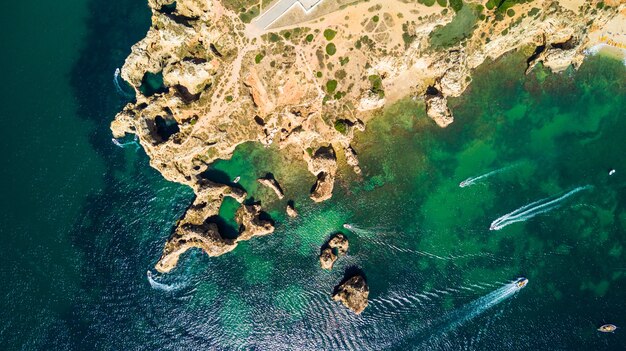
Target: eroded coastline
(205, 83)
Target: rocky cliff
(205, 82)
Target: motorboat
(347, 226)
(465, 183)
(521, 282)
(607, 328)
(236, 180)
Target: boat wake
(459, 317)
(124, 145)
(533, 209)
(160, 286)
(372, 234)
(472, 180)
(118, 87)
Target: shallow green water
(83, 220)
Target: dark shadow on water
(226, 230)
(219, 177)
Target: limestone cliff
(205, 82)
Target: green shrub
(329, 34)
(331, 86)
(341, 126)
(258, 58)
(331, 49)
(309, 38)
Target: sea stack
(335, 247)
(353, 293)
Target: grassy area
(458, 29)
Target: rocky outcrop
(205, 237)
(353, 294)
(272, 183)
(291, 210)
(250, 223)
(324, 165)
(205, 82)
(327, 258)
(336, 247)
(340, 243)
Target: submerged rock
(353, 294)
(327, 258)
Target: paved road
(282, 6)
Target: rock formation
(272, 183)
(353, 293)
(291, 210)
(340, 243)
(250, 223)
(336, 247)
(327, 258)
(206, 82)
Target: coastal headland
(209, 75)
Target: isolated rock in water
(339, 242)
(324, 165)
(205, 237)
(437, 109)
(327, 258)
(353, 293)
(250, 223)
(291, 210)
(272, 183)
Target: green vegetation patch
(457, 5)
(309, 38)
(331, 49)
(331, 86)
(329, 34)
(427, 2)
(377, 85)
(461, 27)
(246, 16)
(258, 58)
(341, 126)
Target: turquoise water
(84, 220)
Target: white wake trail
(160, 286)
(533, 209)
(472, 180)
(116, 83)
(459, 317)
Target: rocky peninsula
(208, 78)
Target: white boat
(236, 180)
(347, 226)
(521, 282)
(611, 172)
(607, 328)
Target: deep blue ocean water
(84, 220)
